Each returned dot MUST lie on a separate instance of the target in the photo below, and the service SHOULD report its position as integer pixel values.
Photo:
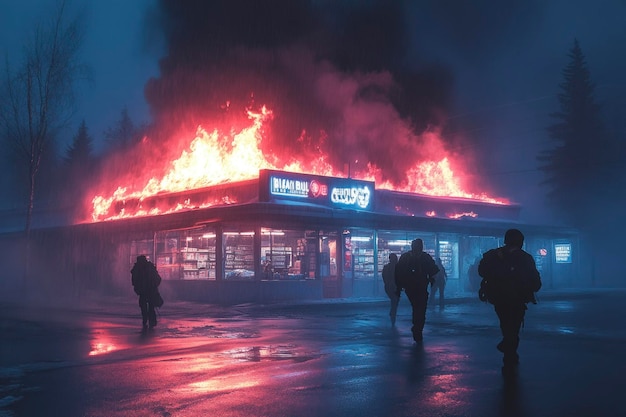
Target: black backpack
(504, 280)
(409, 271)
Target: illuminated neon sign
(329, 191)
(351, 196)
(563, 253)
(289, 187)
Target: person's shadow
(415, 369)
(146, 334)
(511, 403)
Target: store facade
(289, 236)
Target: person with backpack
(510, 280)
(146, 281)
(414, 271)
(389, 278)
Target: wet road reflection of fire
(101, 348)
(231, 382)
(102, 340)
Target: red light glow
(214, 157)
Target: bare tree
(38, 95)
(37, 101)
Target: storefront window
(141, 247)
(361, 244)
(448, 252)
(283, 254)
(186, 254)
(400, 242)
(239, 255)
(472, 249)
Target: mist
(373, 81)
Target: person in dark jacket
(414, 271)
(146, 281)
(439, 284)
(510, 280)
(389, 278)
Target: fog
(484, 75)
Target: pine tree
(123, 135)
(578, 166)
(79, 168)
(79, 153)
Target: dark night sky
(114, 48)
(487, 70)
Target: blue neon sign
(329, 191)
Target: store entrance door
(331, 284)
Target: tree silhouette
(37, 100)
(38, 97)
(123, 135)
(578, 166)
(78, 166)
(79, 153)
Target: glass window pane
(284, 254)
(239, 255)
(361, 242)
(186, 254)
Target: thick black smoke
(344, 78)
(334, 73)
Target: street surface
(331, 358)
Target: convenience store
(304, 236)
(289, 236)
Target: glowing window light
(399, 242)
(563, 253)
(268, 232)
(361, 238)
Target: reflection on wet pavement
(103, 338)
(329, 360)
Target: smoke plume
(334, 73)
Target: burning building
(224, 224)
(316, 151)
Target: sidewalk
(108, 304)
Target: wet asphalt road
(320, 359)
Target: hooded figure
(389, 278)
(146, 281)
(510, 280)
(414, 271)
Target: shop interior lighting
(399, 243)
(361, 239)
(208, 235)
(238, 233)
(272, 233)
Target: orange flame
(214, 158)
